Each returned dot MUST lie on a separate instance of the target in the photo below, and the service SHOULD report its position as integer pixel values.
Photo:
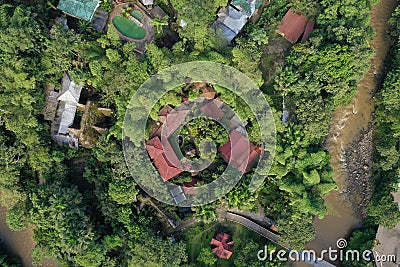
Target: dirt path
(195, 241)
(273, 58)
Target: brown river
(348, 123)
(19, 244)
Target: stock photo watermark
(330, 254)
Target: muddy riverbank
(357, 166)
(19, 244)
(350, 144)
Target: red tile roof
(212, 110)
(238, 144)
(162, 115)
(166, 170)
(221, 247)
(154, 148)
(273, 228)
(209, 92)
(292, 26)
(173, 121)
(189, 187)
(308, 30)
(200, 84)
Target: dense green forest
(91, 215)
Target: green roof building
(249, 6)
(83, 9)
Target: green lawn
(137, 15)
(129, 28)
(199, 237)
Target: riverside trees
(382, 208)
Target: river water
(19, 244)
(347, 124)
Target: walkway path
(274, 238)
(255, 227)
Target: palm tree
(84, 26)
(51, 5)
(125, 12)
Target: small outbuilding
(99, 20)
(232, 152)
(82, 9)
(162, 115)
(148, 3)
(209, 92)
(222, 246)
(189, 187)
(293, 26)
(165, 168)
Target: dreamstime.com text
(329, 254)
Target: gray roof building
(233, 18)
(99, 20)
(148, 2)
(67, 117)
(67, 104)
(69, 98)
(70, 91)
(178, 194)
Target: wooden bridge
(314, 261)
(255, 227)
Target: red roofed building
(200, 84)
(221, 247)
(174, 119)
(273, 228)
(154, 147)
(212, 110)
(308, 30)
(162, 115)
(189, 187)
(166, 170)
(209, 92)
(293, 26)
(238, 143)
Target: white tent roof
(148, 2)
(67, 117)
